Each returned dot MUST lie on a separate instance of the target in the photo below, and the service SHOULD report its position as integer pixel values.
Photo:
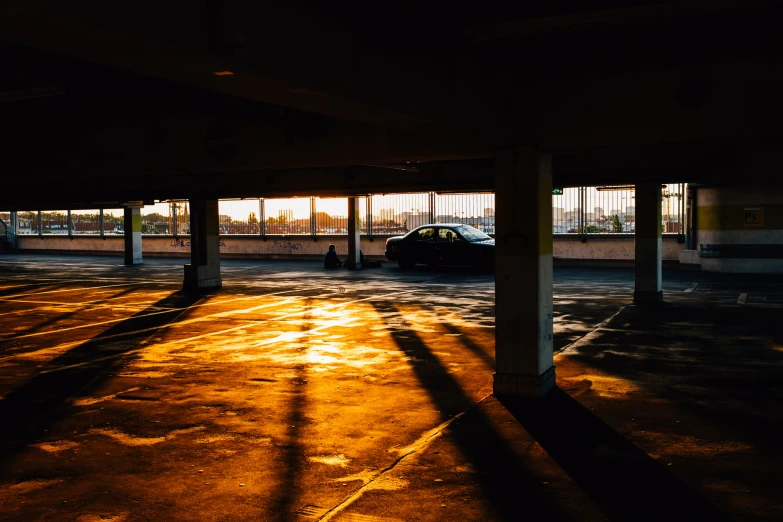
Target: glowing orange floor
(295, 393)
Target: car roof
(442, 225)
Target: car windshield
(472, 234)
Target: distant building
(411, 220)
(386, 214)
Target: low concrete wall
(230, 246)
(742, 266)
(748, 217)
(616, 248)
(690, 257)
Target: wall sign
(754, 217)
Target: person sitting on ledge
(331, 260)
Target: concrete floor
(296, 393)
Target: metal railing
(578, 211)
(607, 210)
(7, 232)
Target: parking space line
(692, 287)
(71, 306)
(6, 298)
(742, 298)
(71, 344)
(220, 332)
(163, 311)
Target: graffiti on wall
(286, 245)
(181, 243)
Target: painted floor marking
(71, 344)
(44, 281)
(90, 304)
(422, 443)
(164, 311)
(292, 335)
(65, 346)
(5, 298)
(742, 298)
(692, 287)
(98, 279)
(210, 334)
(589, 336)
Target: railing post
(582, 215)
(69, 224)
(174, 220)
(262, 218)
(432, 207)
(15, 229)
(368, 206)
(40, 225)
(312, 218)
(681, 217)
(101, 224)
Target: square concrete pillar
(354, 230)
(132, 224)
(203, 272)
(523, 273)
(648, 245)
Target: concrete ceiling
(113, 100)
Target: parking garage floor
(296, 393)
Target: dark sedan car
(441, 244)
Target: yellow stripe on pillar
(136, 222)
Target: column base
(352, 266)
(518, 385)
(135, 261)
(644, 297)
(198, 278)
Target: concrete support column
(523, 273)
(354, 230)
(203, 272)
(15, 227)
(691, 240)
(132, 219)
(648, 244)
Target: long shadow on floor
(28, 410)
(56, 318)
(718, 362)
(290, 488)
(624, 481)
(621, 479)
(503, 475)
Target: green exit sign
(557, 191)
